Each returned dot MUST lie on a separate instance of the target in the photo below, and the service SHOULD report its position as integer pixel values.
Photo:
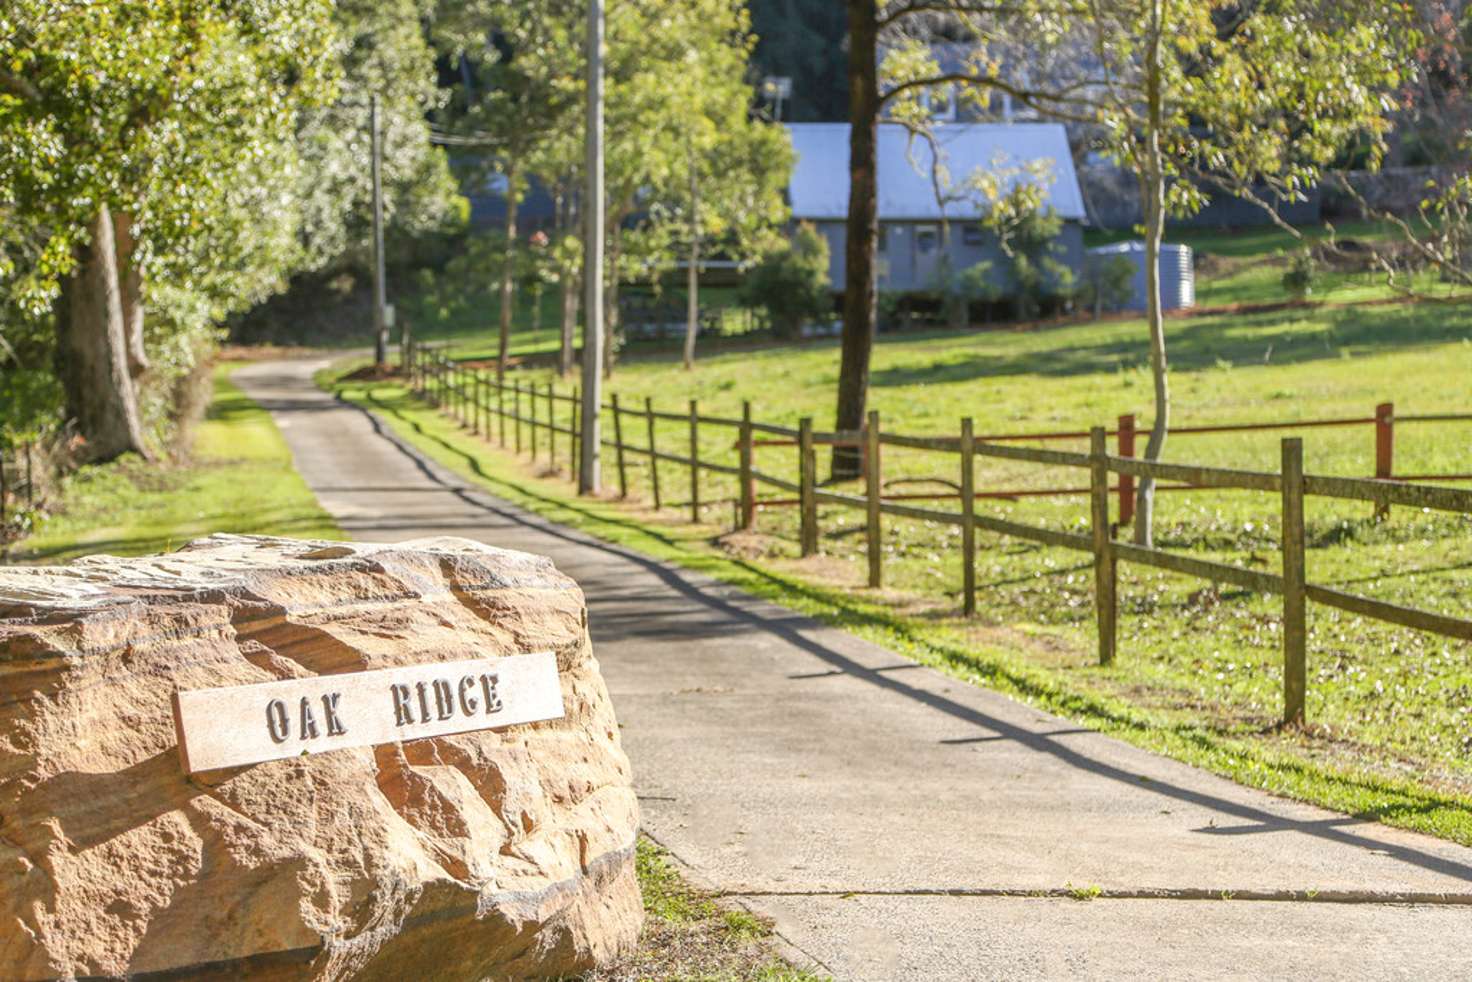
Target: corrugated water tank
(1177, 277)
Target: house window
(926, 239)
(972, 235)
(883, 238)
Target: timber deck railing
(473, 397)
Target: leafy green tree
(1183, 92)
(791, 283)
(125, 129)
(728, 171)
(382, 48)
(519, 96)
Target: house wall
(903, 266)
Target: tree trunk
(130, 289)
(1153, 187)
(503, 348)
(860, 294)
(692, 277)
(92, 349)
(610, 294)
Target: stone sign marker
(249, 724)
(436, 841)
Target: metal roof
(819, 186)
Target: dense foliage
(167, 163)
(791, 283)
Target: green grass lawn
(1245, 266)
(239, 478)
(1199, 669)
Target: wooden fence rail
(439, 381)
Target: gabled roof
(819, 186)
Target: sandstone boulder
(493, 854)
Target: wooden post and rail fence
(444, 384)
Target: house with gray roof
(916, 196)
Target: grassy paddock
(239, 478)
(1199, 670)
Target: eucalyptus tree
(520, 92)
(728, 167)
(125, 129)
(380, 48)
(1188, 94)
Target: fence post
(531, 400)
(1384, 450)
(807, 478)
(475, 400)
(1105, 606)
(653, 453)
(575, 460)
(968, 516)
(1126, 445)
(618, 447)
(694, 463)
(516, 412)
(4, 503)
(552, 425)
(501, 410)
(30, 478)
(1295, 622)
(485, 385)
(872, 487)
(747, 515)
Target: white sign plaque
(247, 724)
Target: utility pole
(380, 290)
(593, 217)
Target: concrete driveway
(899, 824)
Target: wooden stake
(531, 399)
(746, 517)
(694, 463)
(968, 517)
(1105, 605)
(653, 452)
(1295, 621)
(1384, 451)
(552, 425)
(807, 481)
(516, 412)
(618, 448)
(874, 531)
(501, 411)
(574, 460)
(1126, 445)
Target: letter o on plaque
(276, 723)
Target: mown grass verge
(238, 478)
(1152, 697)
